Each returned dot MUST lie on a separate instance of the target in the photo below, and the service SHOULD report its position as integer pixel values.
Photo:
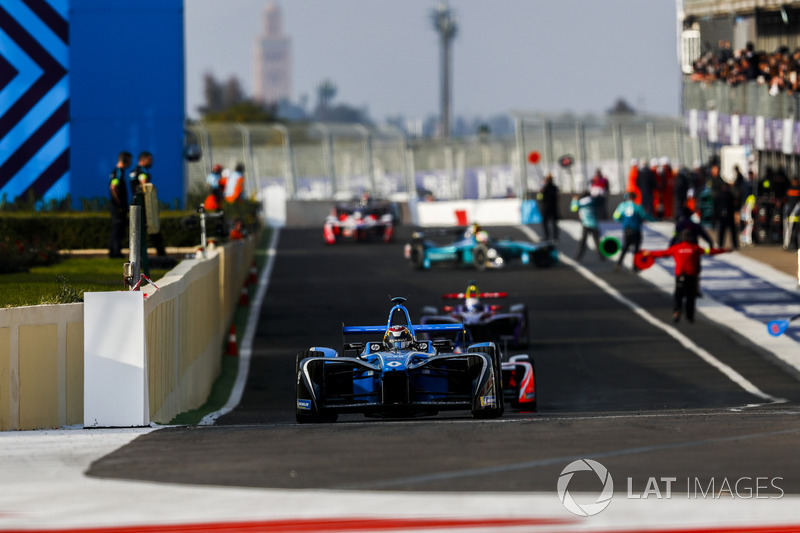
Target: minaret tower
(272, 60)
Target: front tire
(498, 385)
(480, 254)
(311, 415)
(417, 255)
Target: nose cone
(394, 361)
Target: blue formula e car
(475, 249)
(396, 375)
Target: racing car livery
(482, 322)
(475, 249)
(519, 382)
(361, 221)
(398, 375)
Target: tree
(232, 93)
(347, 114)
(244, 111)
(212, 90)
(621, 109)
(326, 91)
(226, 102)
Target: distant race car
(475, 249)
(360, 221)
(396, 375)
(482, 321)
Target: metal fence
(605, 145)
(746, 99)
(326, 161)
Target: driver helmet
(398, 338)
(472, 297)
(482, 237)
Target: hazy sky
(531, 55)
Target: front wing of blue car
(327, 386)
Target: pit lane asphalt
(611, 388)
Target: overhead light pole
(444, 23)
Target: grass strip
(73, 275)
(221, 390)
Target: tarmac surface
(707, 412)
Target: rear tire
(525, 332)
(535, 391)
(544, 258)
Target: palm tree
(444, 23)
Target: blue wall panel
(127, 91)
(81, 80)
(34, 96)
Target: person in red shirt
(687, 254)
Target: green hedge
(91, 230)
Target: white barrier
(115, 362)
(499, 212)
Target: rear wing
(419, 328)
(463, 295)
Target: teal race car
(474, 248)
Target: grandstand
(741, 61)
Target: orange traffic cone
(244, 297)
(253, 273)
(232, 348)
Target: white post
(115, 390)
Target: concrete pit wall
(42, 347)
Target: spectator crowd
(777, 71)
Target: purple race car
(483, 322)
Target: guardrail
(185, 322)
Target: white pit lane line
(670, 330)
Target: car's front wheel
(417, 256)
(480, 255)
(306, 411)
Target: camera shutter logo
(588, 509)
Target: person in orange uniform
(658, 201)
(632, 186)
(234, 186)
(687, 254)
(667, 188)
